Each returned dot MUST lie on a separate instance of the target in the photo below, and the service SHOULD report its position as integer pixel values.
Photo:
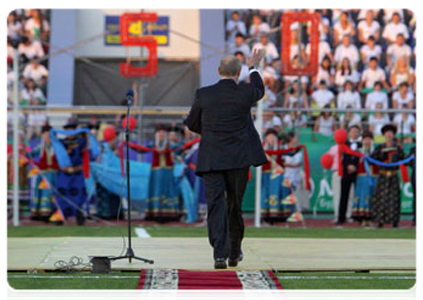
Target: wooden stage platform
(282, 254)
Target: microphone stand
(129, 251)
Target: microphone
(129, 96)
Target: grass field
(186, 231)
(129, 280)
(288, 280)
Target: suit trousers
(347, 183)
(224, 192)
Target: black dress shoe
(220, 263)
(234, 262)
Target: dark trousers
(416, 203)
(224, 193)
(346, 184)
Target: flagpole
(16, 140)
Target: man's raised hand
(256, 56)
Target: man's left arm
(193, 121)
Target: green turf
(297, 289)
(349, 289)
(192, 231)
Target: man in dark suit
(349, 165)
(229, 145)
(416, 192)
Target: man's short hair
(230, 65)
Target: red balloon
(326, 160)
(132, 123)
(341, 136)
(109, 133)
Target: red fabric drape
(86, 163)
(306, 161)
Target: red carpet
(207, 280)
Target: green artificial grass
(312, 280)
(193, 231)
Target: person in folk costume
(274, 190)
(364, 186)
(163, 204)
(24, 187)
(387, 200)
(70, 191)
(42, 203)
(416, 191)
(349, 166)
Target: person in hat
(42, 204)
(70, 192)
(364, 186)
(387, 200)
(163, 204)
(272, 189)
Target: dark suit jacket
(221, 113)
(348, 159)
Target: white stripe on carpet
(348, 277)
(142, 233)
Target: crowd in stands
(366, 60)
(28, 33)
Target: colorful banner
(321, 180)
(159, 30)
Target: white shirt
(325, 126)
(241, 48)
(33, 49)
(404, 126)
(293, 173)
(355, 120)
(269, 98)
(369, 53)
(401, 101)
(349, 52)
(292, 78)
(324, 23)
(13, 29)
(376, 97)
(263, 27)
(288, 121)
(231, 24)
(270, 51)
(367, 29)
(324, 50)
(322, 97)
(325, 75)
(33, 94)
(276, 121)
(270, 72)
(402, 77)
(378, 123)
(30, 26)
(341, 79)
(35, 74)
(343, 31)
(392, 30)
(37, 119)
(395, 51)
(349, 98)
(370, 76)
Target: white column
(16, 141)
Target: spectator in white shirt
(368, 27)
(29, 49)
(31, 94)
(35, 71)
(347, 50)
(258, 27)
(324, 26)
(349, 97)
(371, 49)
(400, 48)
(270, 51)
(324, 51)
(37, 27)
(325, 72)
(372, 74)
(240, 45)
(377, 96)
(322, 97)
(389, 13)
(14, 28)
(405, 123)
(293, 97)
(293, 162)
(244, 76)
(342, 28)
(403, 97)
(349, 119)
(378, 120)
(234, 26)
(394, 28)
(294, 119)
(344, 73)
(325, 123)
(402, 72)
